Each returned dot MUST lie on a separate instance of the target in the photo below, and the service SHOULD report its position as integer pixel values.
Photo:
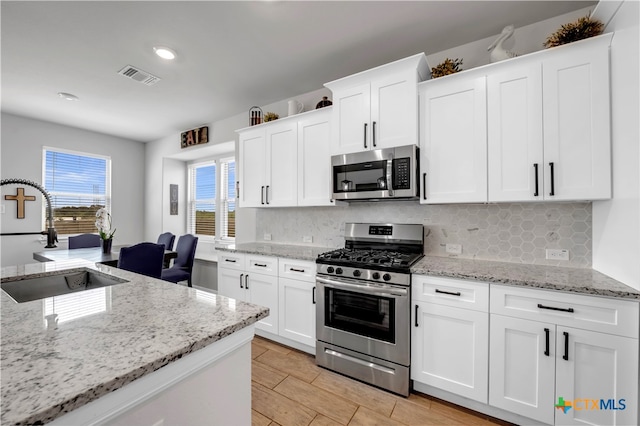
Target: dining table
(92, 254)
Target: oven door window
(362, 314)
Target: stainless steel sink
(65, 282)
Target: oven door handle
(385, 291)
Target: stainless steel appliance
(390, 173)
(363, 304)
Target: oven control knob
(376, 276)
(338, 270)
(330, 269)
(386, 277)
(356, 273)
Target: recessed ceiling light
(67, 96)
(165, 52)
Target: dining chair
(142, 258)
(167, 240)
(84, 241)
(183, 264)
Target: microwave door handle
(389, 175)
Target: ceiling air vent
(139, 75)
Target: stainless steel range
(363, 304)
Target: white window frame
(221, 202)
(107, 200)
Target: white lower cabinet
(549, 349)
(450, 335)
(297, 293)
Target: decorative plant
(584, 27)
(449, 66)
(270, 116)
(103, 223)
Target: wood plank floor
(288, 388)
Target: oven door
(368, 318)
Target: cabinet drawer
(451, 292)
(262, 264)
(295, 269)
(594, 313)
(231, 260)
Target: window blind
(79, 185)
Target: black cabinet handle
(416, 317)
(553, 308)
(546, 338)
(373, 134)
(262, 265)
(535, 168)
(452, 293)
(241, 276)
(314, 295)
(262, 195)
(296, 270)
(267, 194)
(230, 260)
(553, 191)
(424, 186)
(365, 135)
(246, 281)
(238, 189)
(566, 346)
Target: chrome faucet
(52, 235)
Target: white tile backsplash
(512, 232)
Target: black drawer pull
(566, 346)
(416, 317)
(262, 265)
(230, 260)
(457, 293)
(296, 270)
(546, 335)
(553, 308)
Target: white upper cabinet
(576, 115)
(253, 165)
(314, 159)
(377, 108)
(453, 139)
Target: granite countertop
(127, 330)
(573, 280)
(278, 250)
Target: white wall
(616, 222)
(22, 142)
(175, 172)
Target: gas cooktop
(371, 259)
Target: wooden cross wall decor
(20, 198)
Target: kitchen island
(141, 349)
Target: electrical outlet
(557, 254)
(307, 239)
(454, 248)
(267, 237)
(1, 208)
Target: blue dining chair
(84, 241)
(183, 264)
(167, 240)
(142, 258)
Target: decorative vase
(106, 245)
(324, 103)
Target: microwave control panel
(401, 173)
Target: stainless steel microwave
(389, 173)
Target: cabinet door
(450, 349)
(351, 112)
(521, 374)
(314, 159)
(576, 122)
(263, 291)
(252, 168)
(231, 283)
(282, 167)
(453, 139)
(514, 128)
(297, 311)
(394, 111)
(597, 366)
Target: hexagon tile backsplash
(514, 232)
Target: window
(212, 190)
(79, 184)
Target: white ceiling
(231, 55)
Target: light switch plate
(557, 254)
